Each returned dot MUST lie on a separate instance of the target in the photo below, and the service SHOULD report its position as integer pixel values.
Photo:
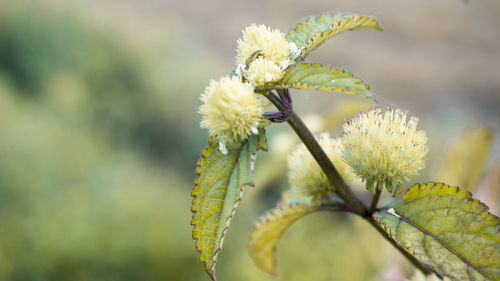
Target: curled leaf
(306, 29)
(446, 230)
(270, 228)
(313, 32)
(218, 187)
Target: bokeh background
(99, 130)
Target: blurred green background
(99, 132)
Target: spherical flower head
(304, 173)
(272, 43)
(262, 71)
(384, 149)
(231, 109)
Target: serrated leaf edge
(450, 189)
(203, 155)
(302, 22)
(304, 86)
(332, 28)
(464, 194)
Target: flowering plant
(439, 228)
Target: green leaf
(270, 228)
(323, 77)
(306, 29)
(464, 159)
(311, 33)
(218, 187)
(447, 230)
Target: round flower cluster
(271, 43)
(384, 149)
(273, 56)
(232, 110)
(306, 176)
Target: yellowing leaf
(447, 230)
(464, 160)
(311, 33)
(323, 77)
(218, 187)
(269, 229)
(306, 29)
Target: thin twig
(342, 189)
(305, 135)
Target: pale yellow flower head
(231, 109)
(262, 71)
(305, 174)
(384, 149)
(272, 43)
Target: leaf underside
(323, 77)
(270, 228)
(446, 230)
(306, 29)
(218, 187)
(314, 31)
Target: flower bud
(262, 71)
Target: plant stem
(342, 189)
(375, 199)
